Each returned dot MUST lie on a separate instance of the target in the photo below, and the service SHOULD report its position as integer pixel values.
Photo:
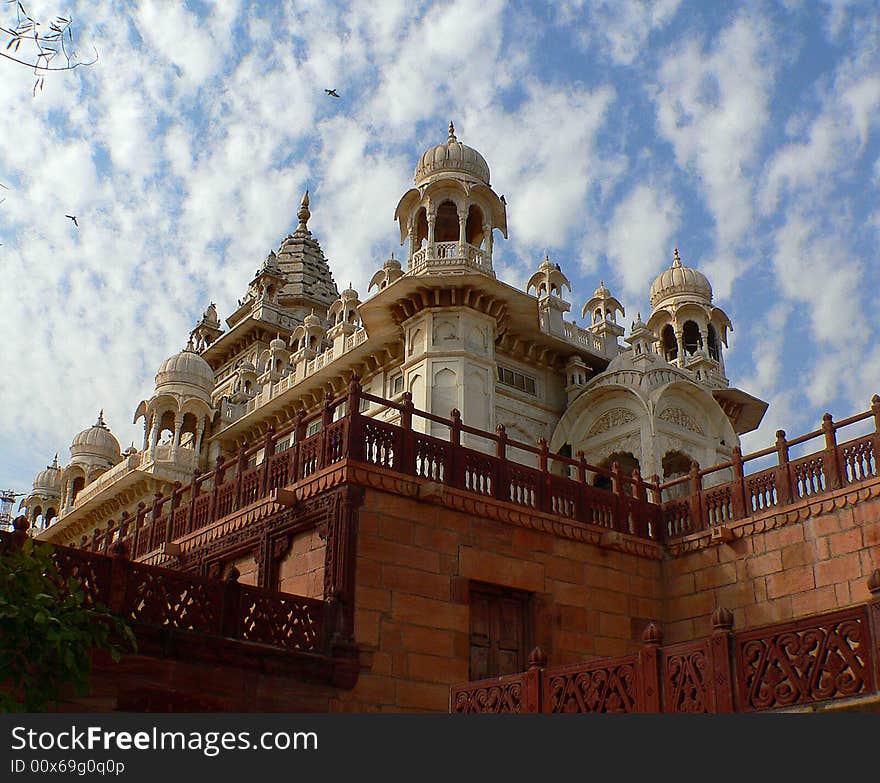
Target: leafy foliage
(48, 630)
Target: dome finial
(100, 421)
(304, 213)
(676, 258)
(54, 461)
(451, 133)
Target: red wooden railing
(492, 465)
(821, 658)
(152, 597)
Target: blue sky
(743, 133)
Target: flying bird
(332, 92)
(73, 218)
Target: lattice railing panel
(431, 458)
(294, 622)
(502, 695)
(250, 485)
(808, 475)
(718, 502)
(761, 490)
(336, 442)
(158, 597)
(687, 679)
(380, 443)
(523, 485)
(859, 461)
(201, 511)
(609, 686)
(816, 659)
(88, 571)
(479, 473)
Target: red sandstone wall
(302, 571)
(412, 619)
(817, 559)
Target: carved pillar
(720, 650)
(146, 432)
(411, 236)
(200, 430)
(432, 218)
(175, 442)
(154, 434)
(340, 557)
(462, 233)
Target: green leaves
(48, 631)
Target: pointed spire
(451, 137)
(100, 421)
(304, 213)
(55, 461)
(676, 259)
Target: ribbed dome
(452, 156)
(187, 368)
(311, 320)
(96, 441)
(277, 344)
(49, 480)
(679, 280)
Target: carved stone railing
(159, 598)
(492, 466)
(819, 659)
(286, 457)
(833, 467)
(442, 255)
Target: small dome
(277, 344)
(678, 280)
(349, 293)
(186, 368)
(452, 156)
(96, 441)
(392, 263)
(602, 291)
(311, 320)
(49, 480)
(246, 366)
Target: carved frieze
(610, 420)
(681, 418)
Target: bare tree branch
(43, 47)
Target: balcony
(450, 258)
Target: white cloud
(620, 28)
(713, 108)
(642, 227)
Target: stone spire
(304, 213)
(308, 281)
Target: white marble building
(441, 325)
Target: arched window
(78, 483)
(626, 461)
(670, 344)
(674, 465)
(446, 224)
(691, 338)
(474, 227)
(421, 228)
(714, 351)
